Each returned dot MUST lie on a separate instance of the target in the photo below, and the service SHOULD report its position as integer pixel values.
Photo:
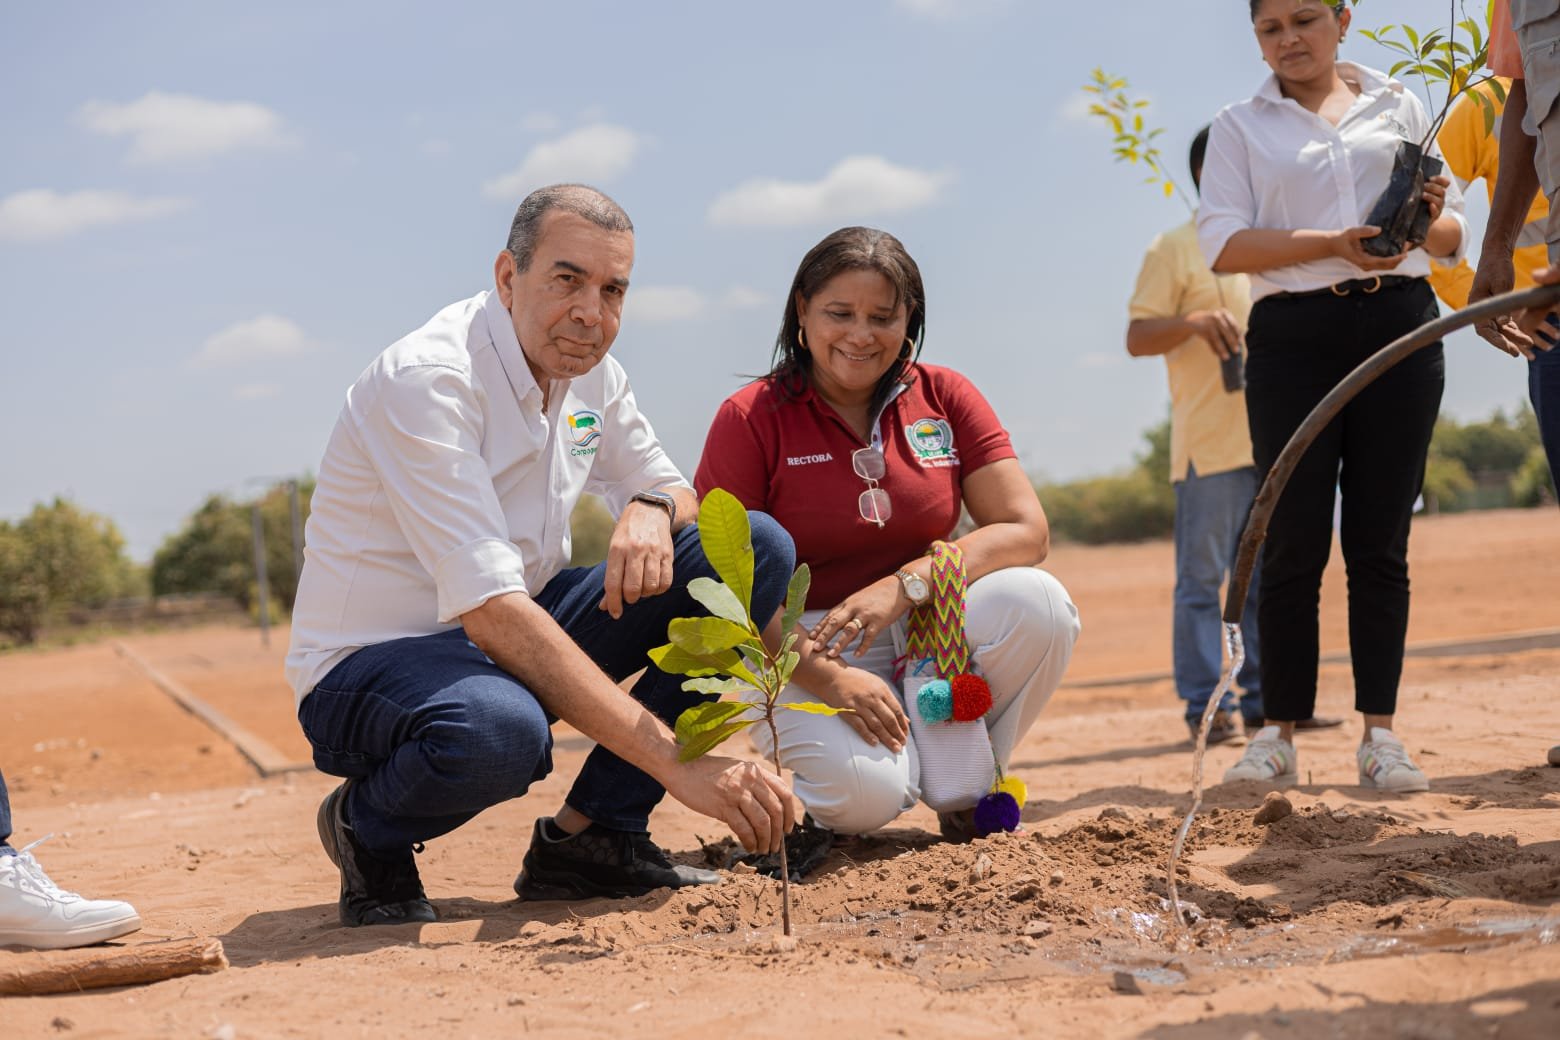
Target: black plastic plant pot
(1401, 212)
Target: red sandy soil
(1359, 915)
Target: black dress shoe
(375, 889)
(600, 861)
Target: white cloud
(591, 154)
(33, 216)
(258, 339)
(657, 303)
(856, 187)
(256, 391)
(947, 10)
(1075, 107)
(741, 298)
(178, 127)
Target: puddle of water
(1484, 935)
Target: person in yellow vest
(1181, 312)
(1473, 153)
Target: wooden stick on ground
(40, 971)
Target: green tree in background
(214, 550)
(1486, 465)
(1132, 506)
(57, 557)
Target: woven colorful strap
(936, 630)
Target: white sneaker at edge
(37, 913)
(1268, 757)
(1384, 764)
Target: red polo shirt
(792, 460)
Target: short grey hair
(579, 199)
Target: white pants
(1022, 626)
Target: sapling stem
(785, 867)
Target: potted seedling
(1133, 142)
(725, 654)
(1436, 59)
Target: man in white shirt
(437, 633)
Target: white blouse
(1273, 164)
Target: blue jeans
(1210, 514)
(1544, 392)
(5, 815)
(435, 732)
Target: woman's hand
(861, 618)
(874, 709)
(1435, 195)
(1346, 244)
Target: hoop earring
(906, 350)
(801, 340)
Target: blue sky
(213, 215)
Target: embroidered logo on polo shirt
(584, 431)
(932, 441)
(808, 460)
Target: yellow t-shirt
(1472, 153)
(1207, 423)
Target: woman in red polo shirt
(866, 457)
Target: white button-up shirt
(445, 484)
(1273, 164)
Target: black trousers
(1374, 451)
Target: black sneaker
(600, 861)
(374, 889)
(806, 847)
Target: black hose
(1368, 371)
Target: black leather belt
(1365, 286)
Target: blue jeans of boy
(434, 732)
(1210, 514)
(1544, 392)
(5, 816)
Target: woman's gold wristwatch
(915, 587)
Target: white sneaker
(1268, 757)
(37, 913)
(1384, 763)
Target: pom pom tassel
(996, 812)
(971, 697)
(935, 701)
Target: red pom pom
(971, 697)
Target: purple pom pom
(996, 812)
(935, 701)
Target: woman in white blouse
(1290, 177)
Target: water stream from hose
(1542, 296)
(1235, 646)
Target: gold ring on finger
(855, 623)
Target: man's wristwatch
(662, 499)
(915, 587)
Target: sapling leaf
(708, 741)
(788, 663)
(672, 658)
(790, 641)
(727, 539)
(1497, 88)
(813, 708)
(706, 635)
(796, 598)
(716, 685)
(701, 718)
(718, 600)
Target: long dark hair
(850, 249)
